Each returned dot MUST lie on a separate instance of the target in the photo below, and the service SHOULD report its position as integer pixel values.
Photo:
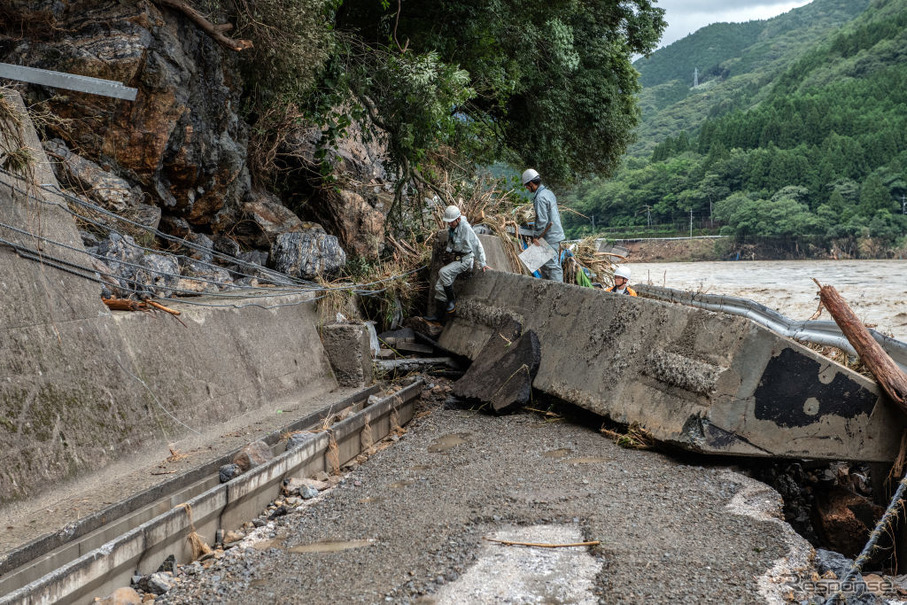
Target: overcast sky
(686, 16)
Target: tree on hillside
(875, 197)
(549, 83)
(783, 216)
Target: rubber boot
(451, 300)
(440, 317)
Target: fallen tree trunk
(216, 31)
(889, 376)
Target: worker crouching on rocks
(464, 247)
(621, 279)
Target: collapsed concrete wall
(81, 386)
(705, 381)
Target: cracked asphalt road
(408, 525)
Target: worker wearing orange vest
(621, 278)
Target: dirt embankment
(727, 248)
(677, 250)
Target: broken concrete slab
(414, 347)
(421, 325)
(348, 347)
(504, 369)
(413, 363)
(700, 380)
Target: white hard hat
(451, 213)
(622, 272)
(529, 175)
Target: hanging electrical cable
(93, 273)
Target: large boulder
(355, 204)
(307, 254)
(264, 218)
(359, 155)
(200, 277)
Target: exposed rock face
(359, 157)
(356, 206)
(102, 188)
(358, 226)
(181, 139)
(175, 158)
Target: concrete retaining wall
(706, 381)
(81, 386)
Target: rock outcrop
(176, 157)
(181, 140)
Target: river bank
(728, 248)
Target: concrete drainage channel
(102, 552)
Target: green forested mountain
(735, 63)
(800, 134)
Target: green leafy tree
(550, 83)
(874, 196)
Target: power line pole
(691, 223)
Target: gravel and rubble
(411, 524)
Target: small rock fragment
(254, 454)
(121, 596)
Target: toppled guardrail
(825, 333)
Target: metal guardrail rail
(817, 332)
(66, 81)
(99, 553)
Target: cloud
(686, 16)
(713, 6)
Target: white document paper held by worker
(534, 256)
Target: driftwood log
(889, 376)
(894, 383)
(216, 31)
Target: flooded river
(875, 289)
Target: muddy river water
(876, 290)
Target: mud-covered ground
(412, 525)
(875, 289)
